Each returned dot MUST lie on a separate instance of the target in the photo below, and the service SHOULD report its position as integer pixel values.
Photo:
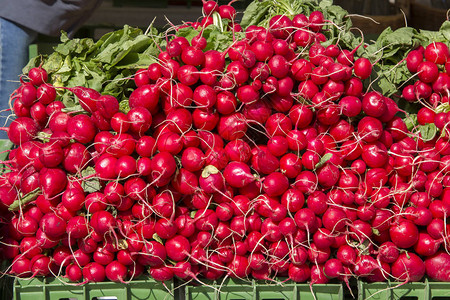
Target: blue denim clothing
(14, 42)
(20, 22)
(48, 17)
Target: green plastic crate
(233, 289)
(428, 290)
(54, 289)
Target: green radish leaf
(410, 121)
(106, 65)
(254, 12)
(189, 33)
(75, 108)
(30, 197)
(428, 131)
(91, 184)
(443, 107)
(124, 106)
(324, 4)
(431, 36)
(445, 30)
(52, 64)
(5, 145)
(326, 157)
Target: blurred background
(113, 14)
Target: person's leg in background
(14, 43)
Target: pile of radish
(270, 159)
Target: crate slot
(57, 289)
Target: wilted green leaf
(445, 30)
(428, 131)
(124, 106)
(30, 197)
(326, 157)
(254, 12)
(410, 121)
(92, 183)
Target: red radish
(94, 272)
(413, 59)
(46, 94)
(74, 273)
(232, 127)
(204, 96)
(102, 222)
(426, 245)
(290, 165)
(199, 42)
(193, 159)
(81, 128)
(333, 268)
(28, 95)
(141, 77)
(21, 130)
(192, 56)
(52, 225)
(427, 71)
(37, 76)
(185, 182)
(162, 273)
(205, 119)
(52, 181)
(350, 105)
(41, 265)
(140, 120)
(77, 227)
(145, 146)
(163, 166)
(153, 254)
(373, 104)
(86, 96)
(115, 271)
(334, 219)
(95, 202)
(247, 94)
(225, 102)
(328, 175)
(434, 269)
(437, 52)
(404, 234)
(258, 111)
(51, 154)
(238, 174)
(408, 267)
(177, 248)
(362, 68)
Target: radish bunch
(431, 67)
(268, 159)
